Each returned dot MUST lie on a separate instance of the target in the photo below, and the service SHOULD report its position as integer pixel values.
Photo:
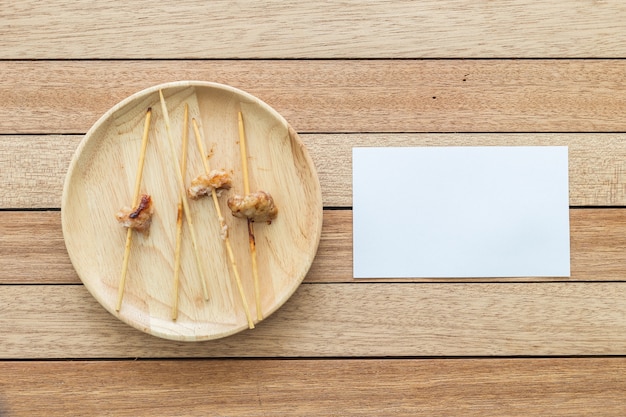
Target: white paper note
(461, 212)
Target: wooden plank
(597, 173)
(33, 169)
(36, 164)
(32, 249)
(409, 387)
(338, 95)
(388, 319)
(295, 29)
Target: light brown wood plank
(33, 169)
(36, 164)
(409, 387)
(222, 29)
(597, 172)
(32, 249)
(332, 320)
(338, 95)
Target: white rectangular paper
(461, 212)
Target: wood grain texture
(327, 29)
(596, 163)
(60, 72)
(342, 320)
(468, 387)
(33, 169)
(32, 250)
(338, 95)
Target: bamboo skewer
(181, 184)
(179, 217)
(229, 249)
(129, 232)
(251, 239)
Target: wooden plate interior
(101, 179)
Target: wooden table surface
(344, 74)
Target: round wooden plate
(101, 179)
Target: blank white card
(461, 212)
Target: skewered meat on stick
(223, 226)
(141, 215)
(257, 207)
(138, 218)
(203, 184)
